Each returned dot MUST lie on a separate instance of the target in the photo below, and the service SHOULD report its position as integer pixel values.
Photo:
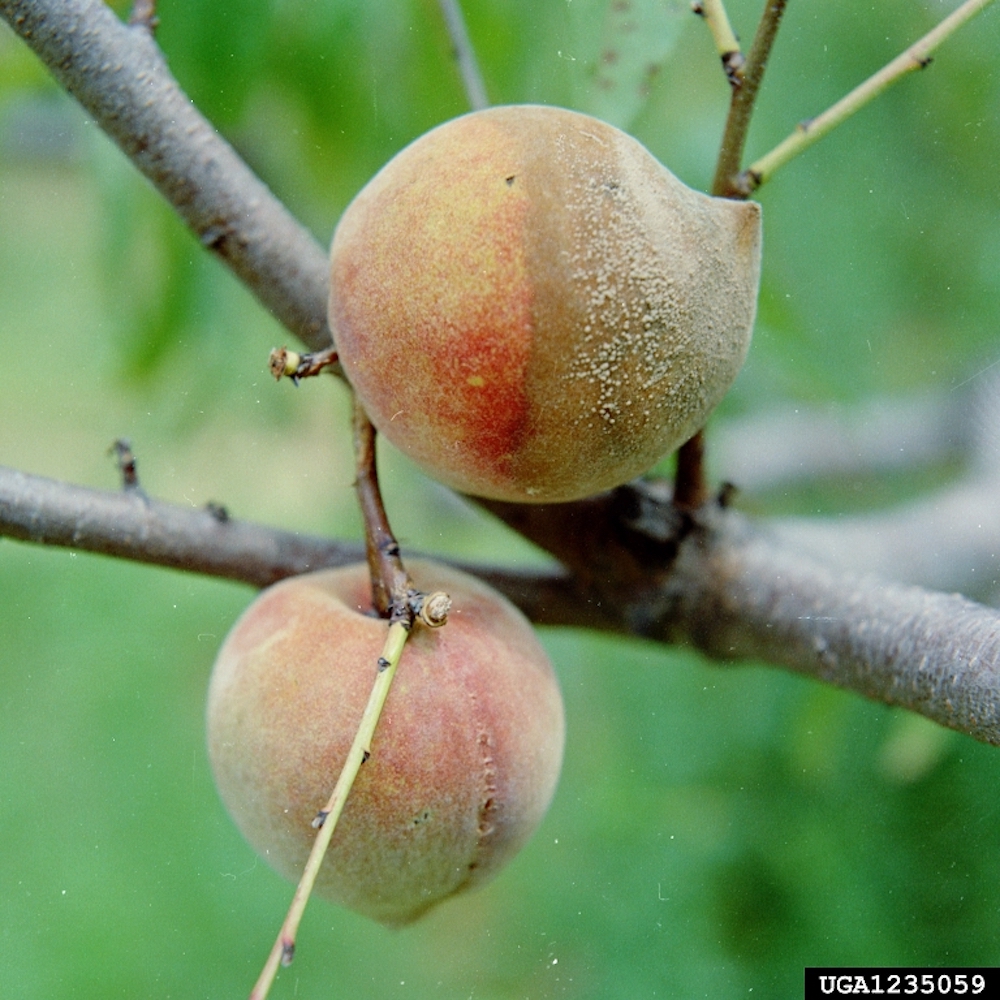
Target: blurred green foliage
(716, 829)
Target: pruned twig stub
(127, 466)
(286, 363)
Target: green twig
(917, 56)
(726, 42)
(326, 820)
(395, 598)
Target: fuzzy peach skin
(532, 308)
(464, 760)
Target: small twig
(283, 950)
(726, 42)
(742, 104)
(284, 362)
(465, 55)
(390, 581)
(144, 15)
(917, 56)
(125, 460)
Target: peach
(532, 308)
(464, 760)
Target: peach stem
(284, 946)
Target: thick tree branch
(714, 581)
(131, 526)
(118, 73)
(206, 540)
(739, 594)
(710, 580)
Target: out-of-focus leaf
(617, 51)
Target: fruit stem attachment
(726, 42)
(690, 482)
(326, 820)
(917, 56)
(391, 586)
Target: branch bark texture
(743, 595)
(130, 525)
(711, 580)
(119, 75)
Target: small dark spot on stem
(287, 952)
(218, 511)
(320, 818)
(127, 466)
(365, 754)
(383, 664)
(732, 65)
(214, 237)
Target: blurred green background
(716, 829)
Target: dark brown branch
(390, 581)
(119, 75)
(690, 482)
